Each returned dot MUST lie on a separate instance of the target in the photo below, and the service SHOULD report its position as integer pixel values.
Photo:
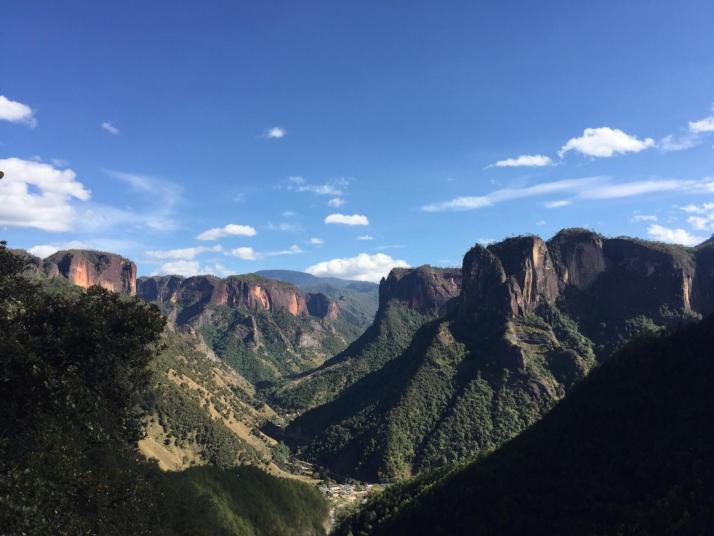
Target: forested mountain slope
(531, 319)
(630, 450)
(75, 368)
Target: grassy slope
(629, 451)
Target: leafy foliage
(74, 369)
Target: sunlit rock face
(86, 268)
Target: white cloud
(275, 133)
(283, 226)
(317, 242)
(101, 244)
(231, 229)
(526, 160)
(334, 187)
(605, 142)
(183, 253)
(704, 219)
(38, 195)
(558, 204)
(679, 143)
(362, 267)
(509, 194)
(182, 267)
(540, 222)
(485, 241)
(345, 219)
(336, 202)
(698, 209)
(43, 250)
(289, 214)
(111, 128)
(159, 195)
(245, 253)
(636, 217)
(16, 112)
(703, 125)
(365, 237)
(292, 250)
(674, 236)
(586, 188)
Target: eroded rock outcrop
(86, 268)
(425, 289)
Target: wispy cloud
(336, 202)
(365, 237)
(183, 253)
(231, 229)
(245, 253)
(637, 217)
(317, 242)
(605, 142)
(16, 112)
(347, 219)
(526, 160)
(558, 204)
(111, 128)
(334, 187)
(585, 188)
(361, 267)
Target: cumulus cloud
(245, 253)
(38, 195)
(703, 125)
(604, 142)
(347, 219)
(526, 160)
(231, 229)
(183, 253)
(585, 188)
(181, 267)
(16, 112)
(275, 133)
(362, 267)
(111, 128)
(317, 242)
(336, 202)
(673, 236)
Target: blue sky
(348, 137)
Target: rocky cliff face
(424, 289)
(531, 318)
(86, 268)
(250, 292)
(585, 274)
(264, 328)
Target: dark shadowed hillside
(630, 450)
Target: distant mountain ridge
(530, 319)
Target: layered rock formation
(264, 328)
(530, 319)
(408, 298)
(86, 268)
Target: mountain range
(488, 360)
